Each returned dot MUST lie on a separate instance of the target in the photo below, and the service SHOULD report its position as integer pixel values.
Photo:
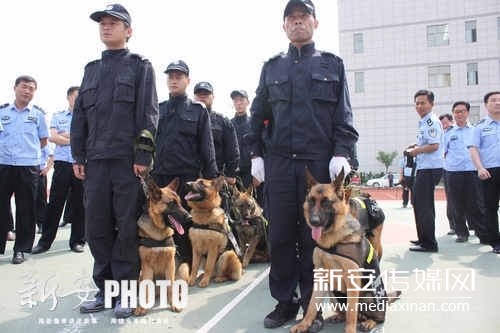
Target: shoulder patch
(93, 62)
(39, 108)
(430, 122)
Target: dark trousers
(63, 180)
(408, 183)
(291, 244)
(42, 202)
(450, 209)
(111, 192)
(463, 196)
(423, 205)
(182, 242)
(67, 209)
(488, 229)
(23, 182)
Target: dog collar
(148, 242)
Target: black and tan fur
(327, 212)
(209, 234)
(155, 230)
(250, 227)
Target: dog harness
(223, 229)
(149, 242)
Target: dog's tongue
(316, 232)
(191, 195)
(178, 227)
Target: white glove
(258, 168)
(336, 165)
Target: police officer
(484, 150)
(446, 120)
(461, 173)
(406, 178)
(241, 123)
(63, 180)
(47, 162)
(303, 94)
(227, 153)
(185, 146)
(23, 132)
(429, 153)
(112, 141)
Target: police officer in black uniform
(112, 139)
(185, 146)
(241, 123)
(304, 95)
(227, 153)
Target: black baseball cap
(306, 4)
(239, 92)
(178, 65)
(203, 85)
(115, 10)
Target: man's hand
(258, 168)
(139, 169)
(79, 171)
(231, 180)
(336, 165)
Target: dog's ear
(219, 182)
(348, 193)
(153, 189)
(338, 184)
(249, 190)
(174, 184)
(310, 180)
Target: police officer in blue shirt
(112, 141)
(303, 95)
(461, 177)
(429, 153)
(63, 181)
(23, 132)
(485, 152)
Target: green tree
(386, 158)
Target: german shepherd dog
(156, 227)
(341, 246)
(209, 234)
(250, 227)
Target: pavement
(455, 290)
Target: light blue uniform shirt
(406, 170)
(455, 147)
(61, 122)
(486, 137)
(47, 151)
(20, 134)
(430, 131)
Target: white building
(392, 48)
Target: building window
(358, 42)
(474, 114)
(470, 32)
(437, 35)
(439, 76)
(472, 74)
(359, 82)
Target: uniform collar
(28, 107)
(488, 120)
(305, 50)
(426, 117)
(114, 53)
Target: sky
(223, 41)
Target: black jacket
(304, 95)
(184, 144)
(242, 127)
(117, 100)
(227, 153)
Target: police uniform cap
(239, 92)
(115, 10)
(306, 4)
(203, 85)
(178, 65)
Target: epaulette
(4, 105)
(276, 56)
(139, 56)
(198, 103)
(93, 62)
(39, 108)
(481, 121)
(164, 102)
(330, 54)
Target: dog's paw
(204, 282)
(367, 325)
(140, 311)
(220, 279)
(299, 328)
(336, 318)
(175, 309)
